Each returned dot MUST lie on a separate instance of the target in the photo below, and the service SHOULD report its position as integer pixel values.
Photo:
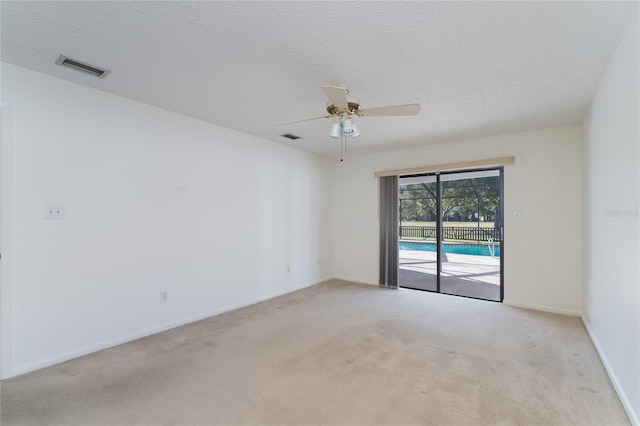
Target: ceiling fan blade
(337, 96)
(407, 109)
(304, 119)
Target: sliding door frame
(438, 232)
(501, 233)
(438, 175)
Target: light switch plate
(516, 215)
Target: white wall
(611, 229)
(542, 251)
(5, 234)
(154, 201)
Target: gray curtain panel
(389, 232)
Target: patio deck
(463, 275)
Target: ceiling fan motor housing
(353, 108)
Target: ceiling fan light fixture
(356, 131)
(347, 126)
(335, 130)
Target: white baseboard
(356, 280)
(66, 356)
(633, 416)
(572, 312)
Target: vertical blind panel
(389, 231)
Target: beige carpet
(336, 353)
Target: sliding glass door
(450, 233)
(471, 234)
(418, 254)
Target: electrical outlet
(288, 269)
(164, 296)
(53, 211)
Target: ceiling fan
(343, 107)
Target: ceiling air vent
(77, 65)
(291, 136)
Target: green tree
(461, 199)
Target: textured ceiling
(477, 68)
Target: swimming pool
(472, 249)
